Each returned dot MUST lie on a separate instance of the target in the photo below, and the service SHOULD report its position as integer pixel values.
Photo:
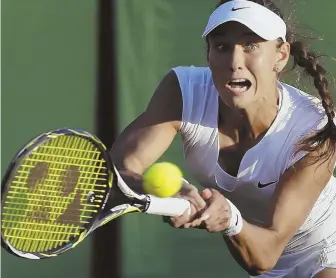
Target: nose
(236, 60)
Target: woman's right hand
(188, 192)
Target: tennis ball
(162, 179)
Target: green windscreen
(48, 82)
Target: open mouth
(239, 85)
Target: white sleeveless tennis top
(264, 163)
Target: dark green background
(49, 80)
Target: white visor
(262, 21)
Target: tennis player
(264, 150)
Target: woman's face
(243, 65)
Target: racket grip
(173, 207)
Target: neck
(250, 122)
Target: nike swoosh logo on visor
(236, 9)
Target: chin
(239, 101)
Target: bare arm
(258, 249)
(149, 135)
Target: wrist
(236, 221)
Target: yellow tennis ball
(163, 179)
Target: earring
(277, 69)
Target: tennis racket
(59, 188)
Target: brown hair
(324, 140)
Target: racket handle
(167, 206)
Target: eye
(249, 47)
(222, 47)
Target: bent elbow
(257, 271)
(260, 268)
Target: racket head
(52, 193)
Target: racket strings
(55, 202)
(41, 214)
(47, 202)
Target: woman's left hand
(216, 217)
